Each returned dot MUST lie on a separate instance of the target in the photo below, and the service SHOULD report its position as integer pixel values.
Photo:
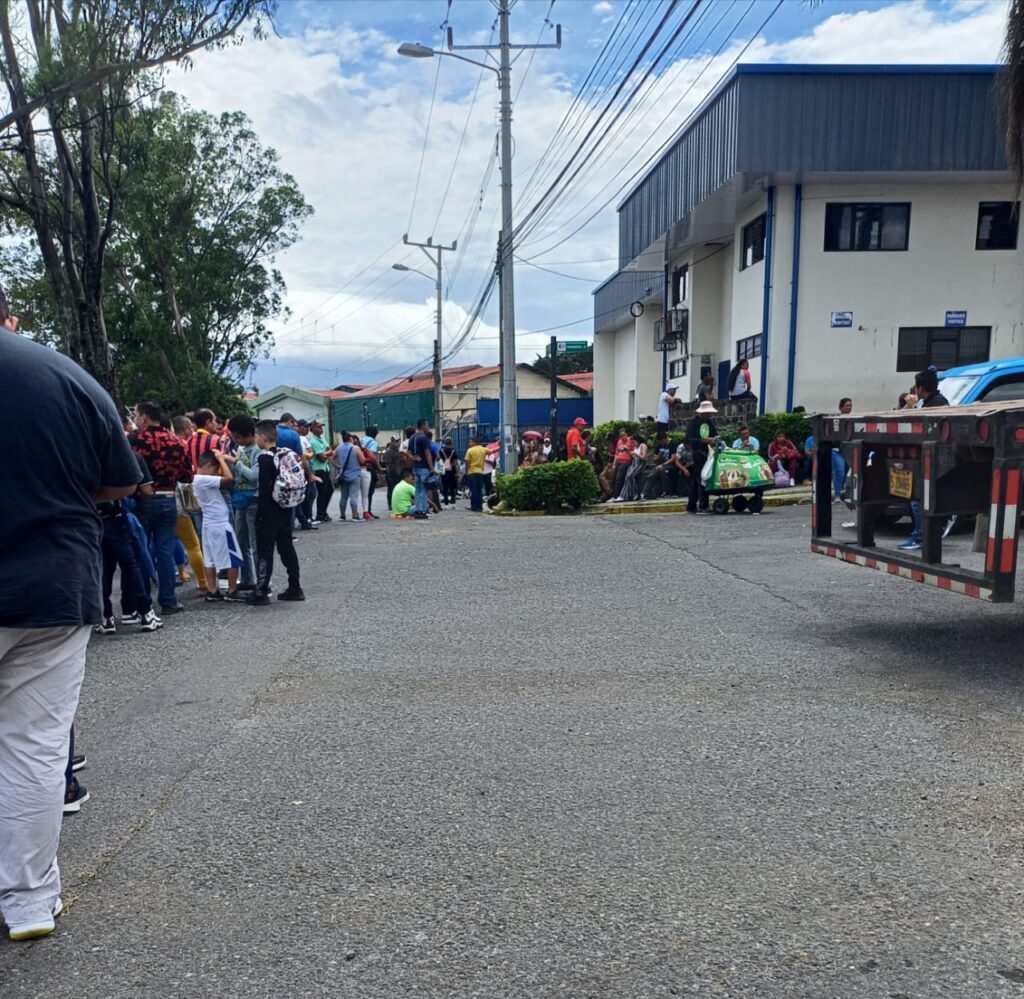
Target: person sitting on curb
(403, 496)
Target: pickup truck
(962, 459)
(993, 381)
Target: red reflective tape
(1006, 559)
(944, 582)
(990, 555)
(871, 428)
(855, 465)
(997, 482)
(1012, 486)
(893, 428)
(916, 575)
(917, 428)
(893, 568)
(871, 563)
(971, 590)
(928, 465)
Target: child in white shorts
(220, 544)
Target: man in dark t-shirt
(49, 601)
(419, 447)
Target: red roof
(330, 393)
(582, 380)
(422, 381)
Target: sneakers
(134, 618)
(291, 594)
(367, 516)
(910, 545)
(420, 516)
(78, 762)
(950, 524)
(233, 597)
(106, 628)
(40, 928)
(75, 795)
(257, 599)
(176, 609)
(150, 622)
(214, 598)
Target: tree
(567, 364)
(71, 71)
(192, 284)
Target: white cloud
(348, 118)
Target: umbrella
(533, 435)
(494, 446)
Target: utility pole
(507, 329)
(437, 262)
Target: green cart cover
(739, 471)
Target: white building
(842, 227)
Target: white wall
(299, 409)
(940, 271)
(604, 376)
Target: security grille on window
(857, 226)
(943, 347)
(748, 347)
(680, 284)
(677, 368)
(997, 225)
(753, 242)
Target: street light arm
(414, 50)
(415, 270)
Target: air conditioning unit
(678, 321)
(661, 343)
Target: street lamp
(436, 261)
(507, 321)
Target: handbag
(185, 498)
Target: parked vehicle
(993, 381)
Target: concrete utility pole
(507, 329)
(438, 353)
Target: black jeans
(324, 492)
(271, 532)
(392, 481)
(448, 483)
(620, 477)
(372, 490)
(118, 552)
(698, 494)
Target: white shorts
(220, 547)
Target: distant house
(302, 403)
(582, 380)
(400, 402)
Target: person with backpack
(449, 472)
(282, 487)
(349, 460)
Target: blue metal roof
(613, 297)
(766, 119)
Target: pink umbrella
(494, 446)
(533, 435)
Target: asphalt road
(602, 757)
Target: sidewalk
(795, 496)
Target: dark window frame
(920, 347)
(680, 284)
(748, 348)
(857, 210)
(754, 238)
(677, 368)
(1014, 213)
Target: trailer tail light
(1018, 435)
(984, 429)
(848, 430)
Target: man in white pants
(50, 595)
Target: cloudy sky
(382, 145)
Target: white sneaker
(40, 928)
(134, 618)
(106, 628)
(150, 622)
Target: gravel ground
(579, 757)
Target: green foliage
(552, 487)
(798, 428)
(567, 364)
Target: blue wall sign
(842, 320)
(958, 317)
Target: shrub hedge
(552, 488)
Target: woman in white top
(739, 383)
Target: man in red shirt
(574, 444)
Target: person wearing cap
(700, 435)
(320, 462)
(574, 446)
(666, 401)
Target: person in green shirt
(404, 495)
(321, 465)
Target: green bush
(798, 428)
(551, 487)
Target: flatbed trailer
(964, 460)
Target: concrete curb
(796, 496)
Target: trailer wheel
(756, 504)
(739, 503)
(720, 505)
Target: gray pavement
(585, 757)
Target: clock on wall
(636, 310)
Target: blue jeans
(161, 520)
(243, 519)
(117, 550)
(838, 472)
(475, 481)
(915, 513)
(420, 504)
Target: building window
(677, 368)
(867, 226)
(942, 347)
(680, 284)
(748, 347)
(753, 242)
(997, 225)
